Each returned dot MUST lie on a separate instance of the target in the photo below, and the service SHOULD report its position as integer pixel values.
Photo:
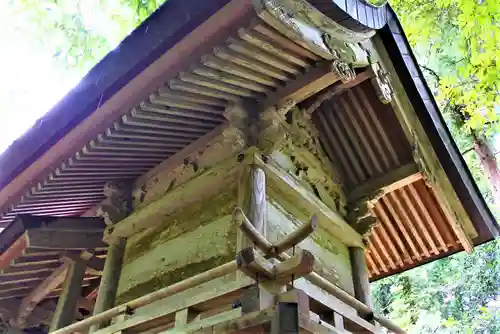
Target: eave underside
(252, 63)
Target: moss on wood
(171, 277)
(186, 220)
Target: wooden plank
(394, 179)
(361, 133)
(70, 295)
(200, 325)
(304, 86)
(378, 242)
(13, 252)
(403, 213)
(410, 204)
(386, 221)
(65, 239)
(415, 197)
(253, 319)
(40, 292)
(402, 227)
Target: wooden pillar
(360, 276)
(258, 204)
(68, 300)
(256, 297)
(109, 281)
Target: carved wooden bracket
(118, 202)
(382, 84)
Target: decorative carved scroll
(300, 20)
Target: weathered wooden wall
(332, 256)
(190, 241)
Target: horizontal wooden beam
(65, 239)
(314, 80)
(315, 102)
(298, 265)
(208, 183)
(393, 180)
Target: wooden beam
(208, 183)
(336, 89)
(68, 300)
(298, 265)
(250, 231)
(16, 250)
(29, 302)
(65, 239)
(305, 85)
(296, 236)
(109, 282)
(395, 179)
(94, 263)
(254, 265)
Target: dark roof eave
(137, 51)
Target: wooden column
(258, 204)
(360, 276)
(68, 300)
(109, 281)
(256, 297)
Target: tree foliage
(80, 32)
(458, 42)
(458, 294)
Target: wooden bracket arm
(296, 236)
(249, 230)
(269, 249)
(295, 267)
(253, 264)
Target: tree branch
(430, 71)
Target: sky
(31, 80)
(32, 77)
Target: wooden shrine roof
(165, 88)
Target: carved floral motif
(382, 84)
(343, 70)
